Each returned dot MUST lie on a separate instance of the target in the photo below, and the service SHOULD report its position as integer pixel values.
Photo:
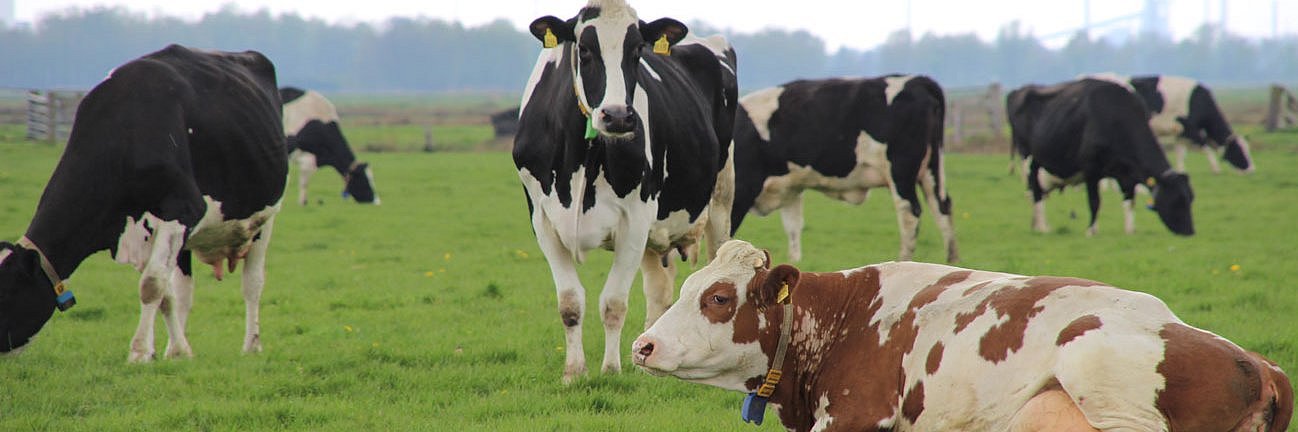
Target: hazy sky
(852, 23)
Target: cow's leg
(175, 308)
(1038, 200)
(1211, 153)
(906, 202)
(568, 289)
(1180, 154)
(306, 166)
(791, 217)
(168, 237)
(1128, 189)
(657, 284)
(1050, 411)
(627, 251)
(254, 280)
(1093, 202)
(933, 184)
(723, 201)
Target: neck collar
(580, 93)
(754, 409)
(63, 296)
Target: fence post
(1282, 111)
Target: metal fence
(50, 114)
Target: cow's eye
(584, 54)
(720, 300)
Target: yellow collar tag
(550, 40)
(784, 293)
(662, 46)
(1150, 182)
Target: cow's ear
(780, 284)
(668, 29)
(551, 31)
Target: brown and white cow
(910, 346)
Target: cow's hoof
(612, 368)
(252, 344)
(179, 353)
(572, 373)
(141, 357)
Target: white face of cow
(710, 335)
(607, 40)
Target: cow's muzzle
(619, 119)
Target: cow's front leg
(1128, 189)
(934, 187)
(568, 289)
(1093, 202)
(1180, 154)
(791, 218)
(254, 280)
(1038, 195)
(168, 237)
(175, 308)
(306, 166)
(1211, 153)
(627, 251)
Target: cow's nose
(642, 349)
(618, 119)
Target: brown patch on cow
(1018, 305)
(570, 309)
(934, 358)
(930, 293)
(1212, 384)
(718, 302)
(963, 320)
(1077, 328)
(914, 404)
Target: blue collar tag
(754, 409)
(65, 300)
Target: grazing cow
(903, 346)
(843, 137)
(623, 143)
(1087, 130)
(1183, 111)
(177, 153)
(314, 140)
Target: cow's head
(1172, 199)
(1237, 153)
(608, 40)
(359, 184)
(724, 329)
(26, 298)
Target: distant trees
(77, 48)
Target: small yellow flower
(447, 256)
(1216, 272)
(376, 344)
(965, 215)
(428, 274)
(558, 349)
(348, 328)
(1234, 267)
(441, 270)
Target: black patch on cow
(325, 140)
(1147, 88)
(290, 94)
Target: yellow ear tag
(662, 46)
(550, 40)
(784, 293)
(1149, 182)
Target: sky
(859, 24)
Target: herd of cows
(632, 137)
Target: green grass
(436, 311)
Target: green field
(435, 311)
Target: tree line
(76, 49)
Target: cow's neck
(1150, 162)
(838, 305)
(72, 223)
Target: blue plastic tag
(65, 301)
(754, 409)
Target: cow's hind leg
(791, 218)
(933, 183)
(1050, 411)
(717, 227)
(168, 237)
(657, 283)
(254, 280)
(306, 166)
(1211, 153)
(906, 203)
(175, 308)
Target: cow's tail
(1282, 404)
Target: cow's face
(1172, 199)
(1237, 153)
(26, 297)
(724, 328)
(608, 41)
(360, 184)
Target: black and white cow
(623, 144)
(1183, 111)
(842, 137)
(1087, 130)
(315, 140)
(177, 153)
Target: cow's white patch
(895, 86)
(1176, 104)
(4, 255)
(1049, 182)
(135, 243)
(615, 19)
(549, 57)
(653, 73)
(715, 43)
(214, 238)
(871, 171)
(311, 106)
(761, 105)
(823, 419)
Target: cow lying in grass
(911, 346)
